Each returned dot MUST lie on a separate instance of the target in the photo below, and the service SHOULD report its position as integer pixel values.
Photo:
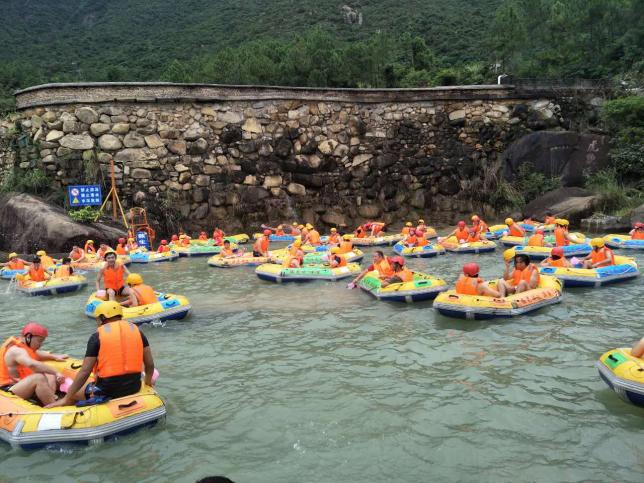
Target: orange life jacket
(384, 268)
(46, 261)
(163, 249)
(120, 250)
(515, 230)
(597, 256)
(120, 351)
(405, 230)
(17, 265)
(481, 227)
(360, 233)
(203, 237)
(334, 238)
(77, 254)
(405, 275)
(37, 274)
(63, 271)
(411, 240)
(23, 371)
(560, 237)
(474, 238)
(525, 274)
(377, 228)
(345, 246)
(279, 232)
(314, 237)
(261, 244)
(226, 252)
(341, 261)
(145, 294)
(461, 235)
(421, 241)
(560, 262)
(549, 220)
(184, 242)
(467, 285)
(535, 241)
(637, 235)
(113, 277)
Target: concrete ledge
(160, 92)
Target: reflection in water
(314, 382)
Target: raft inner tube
(624, 374)
(624, 269)
(452, 245)
(167, 307)
(247, 259)
(53, 286)
(428, 251)
(273, 272)
(153, 257)
(422, 287)
(540, 253)
(623, 241)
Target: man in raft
(45, 259)
(538, 239)
(401, 273)
(37, 272)
(65, 270)
(600, 256)
(514, 229)
(562, 237)
(143, 294)
(261, 245)
(478, 225)
(460, 232)
(163, 247)
(336, 259)
(380, 263)
(525, 276)
(556, 259)
(77, 254)
(469, 283)
(15, 262)
(22, 371)
(334, 238)
(637, 233)
(114, 275)
(116, 352)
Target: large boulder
(637, 214)
(28, 224)
(561, 154)
(570, 203)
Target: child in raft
(469, 283)
(401, 273)
(556, 259)
(65, 270)
(525, 276)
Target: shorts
(6, 388)
(117, 291)
(257, 254)
(92, 390)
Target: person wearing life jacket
(185, 241)
(163, 247)
(469, 283)
(203, 236)
(345, 246)
(421, 241)
(226, 250)
(120, 247)
(14, 262)
(376, 228)
(513, 228)
(461, 232)
(314, 237)
(549, 218)
(45, 259)
(479, 225)
(131, 245)
(77, 254)
(116, 353)
(103, 250)
(638, 349)
(562, 237)
(421, 226)
(600, 256)
(304, 233)
(143, 294)
(261, 245)
(528, 220)
(538, 239)
(334, 238)
(556, 259)
(89, 247)
(279, 231)
(473, 236)
(295, 256)
(174, 238)
(380, 263)
(65, 270)
(113, 275)
(336, 259)
(360, 232)
(637, 233)
(406, 229)
(22, 371)
(525, 276)
(401, 273)
(411, 239)
(37, 272)
(295, 229)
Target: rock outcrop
(570, 203)
(28, 224)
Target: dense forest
(370, 43)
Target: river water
(316, 383)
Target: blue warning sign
(142, 239)
(85, 195)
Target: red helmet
(461, 223)
(557, 252)
(164, 242)
(540, 232)
(267, 232)
(471, 269)
(399, 260)
(35, 329)
(122, 241)
(174, 237)
(639, 224)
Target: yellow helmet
(12, 255)
(134, 279)
(565, 222)
(309, 226)
(333, 230)
(109, 310)
(509, 221)
(300, 226)
(41, 253)
(597, 242)
(130, 239)
(509, 254)
(295, 223)
(335, 250)
(409, 223)
(90, 242)
(297, 243)
(421, 221)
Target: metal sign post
(113, 195)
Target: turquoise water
(317, 383)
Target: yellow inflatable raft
(317, 258)
(452, 245)
(539, 253)
(26, 425)
(452, 304)
(428, 251)
(53, 286)
(247, 259)
(624, 374)
(272, 272)
(623, 241)
(93, 263)
(624, 269)
(423, 287)
(374, 241)
(145, 256)
(168, 307)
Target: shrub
(34, 181)
(531, 183)
(614, 197)
(84, 215)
